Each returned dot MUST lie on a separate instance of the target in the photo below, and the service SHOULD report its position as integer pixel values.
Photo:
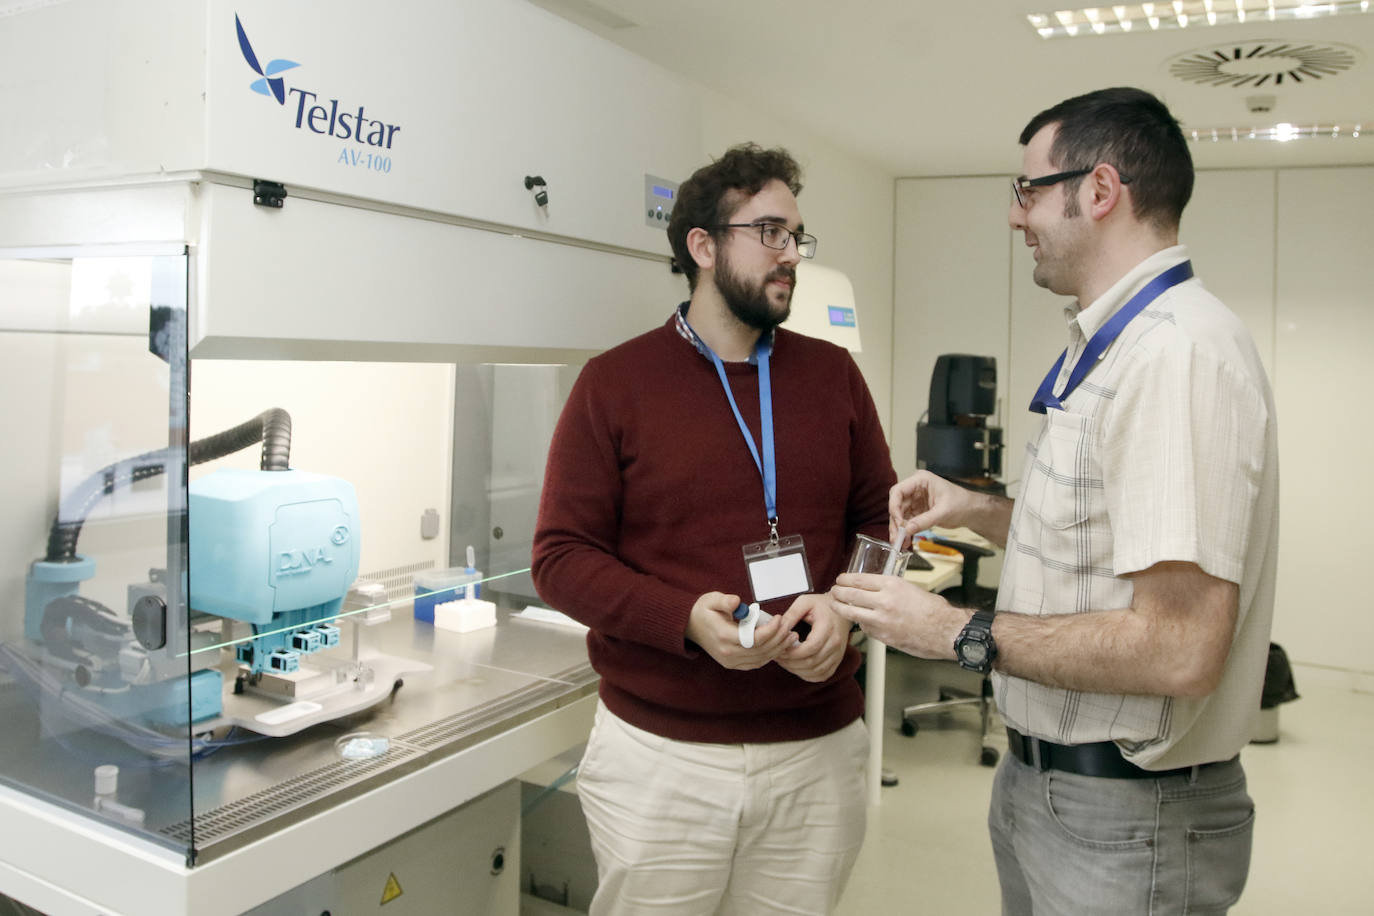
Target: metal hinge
(268, 193)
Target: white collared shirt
(1167, 451)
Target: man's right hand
(712, 626)
(924, 500)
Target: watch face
(975, 653)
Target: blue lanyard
(1044, 398)
(768, 466)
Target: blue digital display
(665, 193)
(842, 317)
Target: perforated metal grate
(399, 581)
(445, 731)
(229, 819)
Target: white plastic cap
(106, 779)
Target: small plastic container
(361, 746)
(436, 586)
(465, 615)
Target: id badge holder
(777, 568)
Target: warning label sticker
(392, 889)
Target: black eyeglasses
(775, 235)
(1025, 184)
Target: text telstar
(344, 125)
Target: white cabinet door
(1324, 377)
(1229, 230)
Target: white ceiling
(923, 88)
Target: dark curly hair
(714, 192)
(1133, 131)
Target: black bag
(1278, 679)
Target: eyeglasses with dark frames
(1019, 185)
(776, 236)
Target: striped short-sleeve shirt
(1167, 451)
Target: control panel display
(842, 317)
(659, 196)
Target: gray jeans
(1069, 844)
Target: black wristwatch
(975, 648)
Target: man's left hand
(899, 613)
(816, 657)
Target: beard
(750, 304)
(1060, 267)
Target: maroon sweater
(649, 495)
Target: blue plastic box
(435, 586)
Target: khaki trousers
(692, 829)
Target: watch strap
(977, 630)
(982, 618)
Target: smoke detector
(1259, 104)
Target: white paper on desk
(545, 615)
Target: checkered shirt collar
(685, 331)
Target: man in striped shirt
(1133, 614)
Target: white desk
(947, 571)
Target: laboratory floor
(927, 850)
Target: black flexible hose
(271, 427)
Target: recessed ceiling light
(1280, 133)
(15, 7)
(1182, 14)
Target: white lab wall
(98, 89)
(1286, 250)
(1229, 230)
(384, 427)
(1325, 377)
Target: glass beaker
(877, 557)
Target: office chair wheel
(909, 728)
(988, 757)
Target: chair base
(951, 698)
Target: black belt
(1101, 758)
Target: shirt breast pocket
(1064, 486)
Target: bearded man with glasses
(713, 462)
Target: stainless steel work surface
(479, 685)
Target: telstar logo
(333, 121)
(270, 84)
